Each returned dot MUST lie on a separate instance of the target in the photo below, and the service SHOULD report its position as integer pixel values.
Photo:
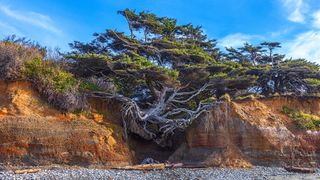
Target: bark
(167, 114)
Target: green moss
(303, 120)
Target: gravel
(208, 173)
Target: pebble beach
(182, 173)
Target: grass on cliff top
(303, 120)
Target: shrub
(287, 110)
(13, 57)
(97, 84)
(50, 72)
(303, 120)
(58, 86)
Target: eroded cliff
(233, 134)
(33, 133)
(252, 132)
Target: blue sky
(55, 23)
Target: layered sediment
(33, 133)
(252, 132)
(233, 134)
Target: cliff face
(252, 132)
(236, 134)
(33, 133)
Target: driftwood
(25, 171)
(145, 167)
(160, 166)
(300, 170)
(181, 165)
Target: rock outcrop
(33, 133)
(252, 132)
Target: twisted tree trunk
(169, 113)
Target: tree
(236, 55)
(166, 75)
(262, 54)
(274, 59)
(146, 71)
(295, 77)
(252, 53)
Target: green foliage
(13, 57)
(172, 73)
(232, 64)
(219, 75)
(158, 53)
(303, 120)
(50, 73)
(287, 110)
(141, 63)
(63, 81)
(89, 86)
(313, 81)
(301, 64)
(58, 86)
(138, 61)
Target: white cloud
(280, 33)
(237, 40)
(305, 45)
(32, 18)
(316, 19)
(296, 9)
